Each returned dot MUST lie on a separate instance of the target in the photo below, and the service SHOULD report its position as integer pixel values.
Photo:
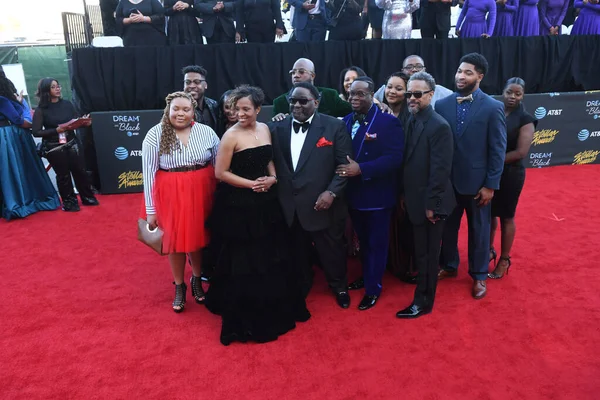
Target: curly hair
(7, 88)
(256, 95)
(168, 138)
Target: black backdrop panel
(568, 131)
(137, 78)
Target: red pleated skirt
(183, 201)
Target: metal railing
(96, 20)
(77, 34)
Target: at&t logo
(541, 112)
(584, 134)
(122, 153)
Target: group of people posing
(260, 204)
(142, 22)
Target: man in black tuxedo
(428, 193)
(217, 20)
(307, 148)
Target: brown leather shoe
(443, 274)
(479, 290)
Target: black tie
(410, 129)
(301, 126)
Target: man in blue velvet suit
(378, 143)
(310, 20)
(479, 129)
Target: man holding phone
(310, 21)
(428, 195)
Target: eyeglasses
(195, 81)
(300, 71)
(360, 94)
(417, 95)
(303, 102)
(414, 67)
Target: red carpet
(86, 314)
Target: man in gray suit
(428, 193)
(307, 148)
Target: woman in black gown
(253, 287)
(141, 22)
(183, 27)
(346, 22)
(520, 126)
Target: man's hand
(279, 33)
(238, 37)
(324, 201)
(348, 170)
(152, 221)
(307, 6)
(484, 196)
(430, 216)
(279, 117)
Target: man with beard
(194, 82)
(428, 193)
(377, 144)
(330, 102)
(479, 127)
(307, 147)
(410, 66)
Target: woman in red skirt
(179, 183)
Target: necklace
(255, 135)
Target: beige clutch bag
(150, 237)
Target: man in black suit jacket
(428, 193)
(307, 148)
(217, 20)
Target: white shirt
(297, 141)
(201, 149)
(315, 10)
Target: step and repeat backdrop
(568, 133)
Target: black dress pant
(264, 33)
(219, 36)
(435, 21)
(66, 160)
(331, 250)
(428, 239)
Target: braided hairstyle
(168, 138)
(7, 88)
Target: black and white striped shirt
(201, 149)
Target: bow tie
(359, 118)
(466, 98)
(301, 126)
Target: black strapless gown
(253, 287)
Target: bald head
(413, 64)
(303, 71)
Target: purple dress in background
(471, 21)
(505, 21)
(527, 20)
(552, 13)
(588, 22)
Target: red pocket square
(370, 136)
(324, 142)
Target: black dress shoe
(343, 299)
(367, 302)
(89, 201)
(413, 311)
(412, 279)
(357, 284)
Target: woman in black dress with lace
(141, 22)
(520, 126)
(183, 27)
(253, 287)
